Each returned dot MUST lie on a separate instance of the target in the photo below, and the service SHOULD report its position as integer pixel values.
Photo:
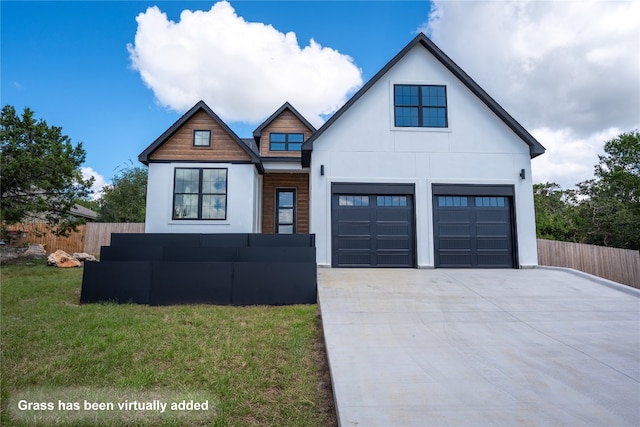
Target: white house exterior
(421, 168)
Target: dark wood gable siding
(180, 145)
(286, 122)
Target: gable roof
(285, 106)
(535, 148)
(144, 156)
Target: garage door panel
(393, 229)
(392, 260)
(473, 231)
(380, 234)
(393, 214)
(355, 243)
(354, 259)
(492, 229)
(354, 228)
(455, 244)
(454, 229)
(452, 259)
(492, 215)
(494, 260)
(455, 215)
(352, 213)
(492, 244)
(383, 243)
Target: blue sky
(69, 62)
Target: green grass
(254, 366)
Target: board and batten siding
(273, 181)
(180, 145)
(287, 122)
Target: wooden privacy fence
(99, 234)
(40, 233)
(619, 265)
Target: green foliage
(40, 172)
(125, 199)
(555, 214)
(611, 201)
(603, 211)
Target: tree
(555, 212)
(125, 199)
(40, 172)
(611, 201)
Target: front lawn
(108, 364)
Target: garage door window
(453, 201)
(391, 201)
(490, 202)
(353, 200)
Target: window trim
(200, 194)
(293, 208)
(420, 107)
(286, 141)
(193, 141)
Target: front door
(285, 215)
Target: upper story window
(202, 138)
(420, 106)
(285, 141)
(200, 193)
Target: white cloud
(243, 70)
(570, 158)
(98, 183)
(569, 71)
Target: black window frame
(293, 209)
(195, 132)
(421, 107)
(200, 194)
(286, 141)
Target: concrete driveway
(536, 347)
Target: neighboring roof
(252, 145)
(144, 156)
(79, 210)
(535, 148)
(285, 106)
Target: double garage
(374, 225)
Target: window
(286, 211)
(353, 200)
(453, 201)
(200, 193)
(202, 138)
(420, 106)
(391, 201)
(490, 202)
(285, 141)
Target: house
(420, 168)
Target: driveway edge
(627, 289)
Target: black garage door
(473, 226)
(372, 225)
